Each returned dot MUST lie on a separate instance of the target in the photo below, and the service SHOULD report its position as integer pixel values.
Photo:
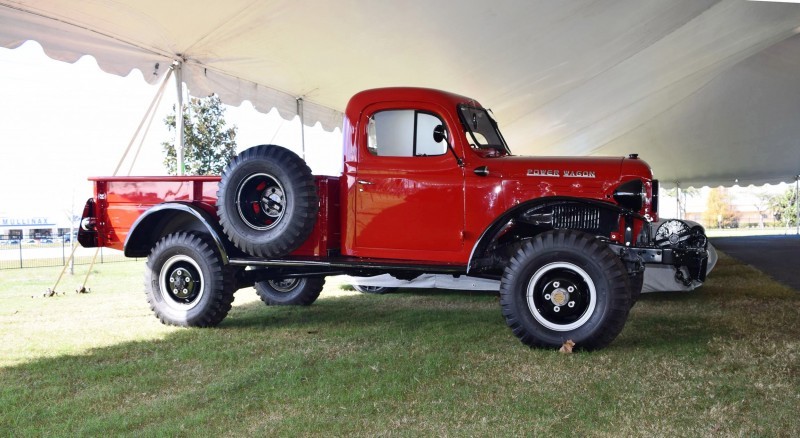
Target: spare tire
(267, 201)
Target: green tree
(209, 144)
(719, 213)
(784, 207)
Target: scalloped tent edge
(704, 90)
(68, 42)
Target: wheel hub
(284, 285)
(261, 201)
(272, 202)
(560, 293)
(181, 283)
(561, 296)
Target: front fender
(168, 218)
(540, 213)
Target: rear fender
(168, 218)
(538, 215)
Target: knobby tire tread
(272, 243)
(311, 290)
(221, 288)
(568, 242)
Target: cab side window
(404, 133)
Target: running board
(351, 264)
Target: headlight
(631, 195)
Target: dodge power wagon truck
(429, 185)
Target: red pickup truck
(429, 185)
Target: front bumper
(690, 263)
(675, 243)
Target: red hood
(527, 178)
(597, 168)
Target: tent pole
(797, 200)
(179, 117)
(678, 199)
(302, 127)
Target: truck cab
(429, 185)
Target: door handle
(364, 182)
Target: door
(410, 189)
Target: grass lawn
(723, 360)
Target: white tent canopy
(706, 91)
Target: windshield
(481, 129)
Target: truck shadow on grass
(417, 312)
(359, 364)
(652, 323)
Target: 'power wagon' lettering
(566, 174)
(543, 172)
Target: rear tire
(377, 290)
(185, 281)
(290, 291)
(267, 201)
(565, 285)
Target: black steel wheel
(267, 201)
(377, 290)
(296, 291)
(185, 281)
(565, 285)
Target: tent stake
(148, 114)
(64, 268)
(82, 289)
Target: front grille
(576, 217)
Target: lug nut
(556, 284)
(546, 296)
(556, 309)
(571, 304)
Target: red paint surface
(411, 208)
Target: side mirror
(439, 133)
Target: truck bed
(122, 200)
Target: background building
(35, 227)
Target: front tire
(565, 285)
(290, 291)
(185, 282)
